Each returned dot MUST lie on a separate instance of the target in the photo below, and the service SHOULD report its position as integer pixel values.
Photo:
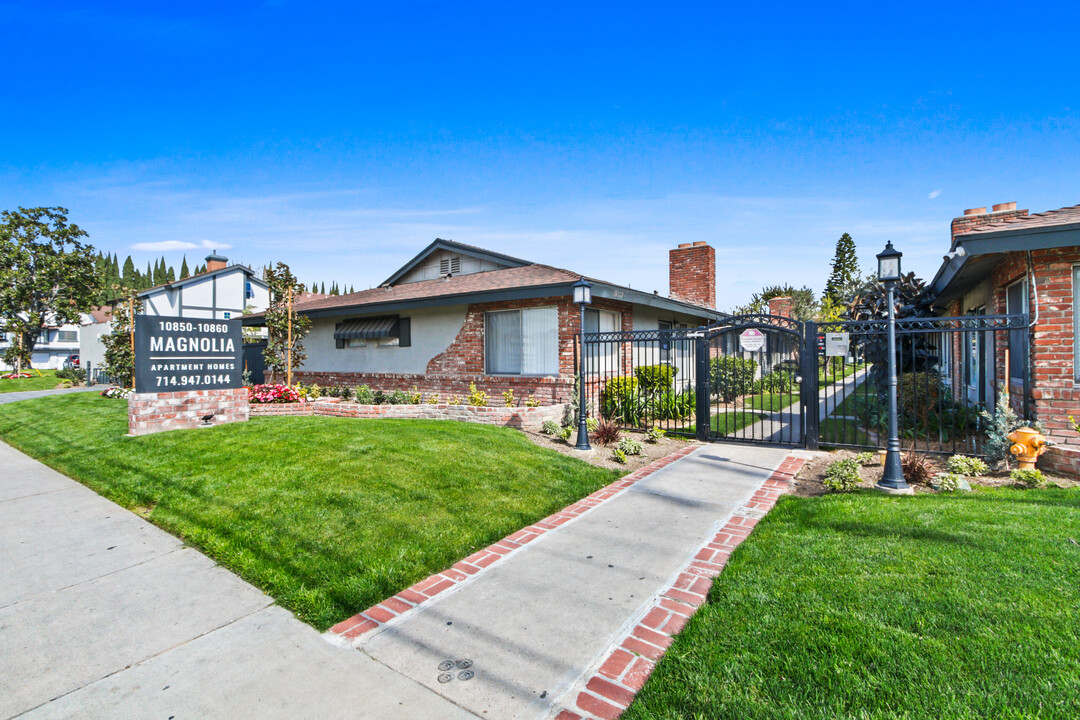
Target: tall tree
(846, 277)
(281, 324)
(803, 303)
(170, 275)
(184, 269)
(148, 278)
(119, 355)
(47, 274)
(130, 274)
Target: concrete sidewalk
(532, 628)
(11, 397)
(102, 615)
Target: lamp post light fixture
(892, 479)
(582, 297)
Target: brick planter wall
(1061, 460)
(156, 412)
(515, 417)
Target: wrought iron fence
(767, 379)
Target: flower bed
(14, 376)
(270, 394)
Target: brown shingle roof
(509, 278)
(1062, 216)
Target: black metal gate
(771, 379)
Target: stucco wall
(432, 332)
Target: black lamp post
(892, 479)
(582, 297)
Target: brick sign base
(156, 412)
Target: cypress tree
(130, 274)
(323, 291)
(184, 269)
(845, 275)
(170, 275)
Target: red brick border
(624, 671)
(354, 628)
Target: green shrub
(842, 475)
(1031, 478)
(964, 465)
(398, 397)
(364, 395)
(531, 401)
(378, 398)
(630, 446)
(566, 432)
(671, 405)
(998, 427)
(508, 398)
(619, 456)
(867, 458)
(731, 376)
(654, 434)
(74, 374)
(948, 482)
(415, 396)
(655, 378)
(433, 399)
(779, 381)
(591, 424)
(620, 401)
(550, 427)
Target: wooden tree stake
(288, 342)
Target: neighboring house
(222, 292)
(1010, 261)
(457, 314)
(54, 347)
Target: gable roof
(460, 248)
(516, 283)
(202, 276)
(976, 252)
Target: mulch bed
(808, 481)
(601, 455)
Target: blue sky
(343, 138)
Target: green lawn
(827, 374)
(869, 606)
(45, 381)
(832, 431)
(771, 402)
(327, 515)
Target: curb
(611, 689)
(351, 632)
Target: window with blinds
(522, 342)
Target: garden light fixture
(892, 479)
(582, 297)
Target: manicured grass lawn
(868, 606)
(327, 515)
(842, 432)
(46, 381)
(827, 374)
(772, 402)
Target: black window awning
(367, 329)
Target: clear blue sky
(343, 138)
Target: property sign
(752, 340)
(837, 344)
(175, 353)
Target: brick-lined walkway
(568, 616)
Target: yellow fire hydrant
(1028, 445)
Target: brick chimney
(782, 306)
(215, 262)
(692, 273)
(975, 217)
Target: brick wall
(692, 273)
(1054, 390)
(515, 417)
(462, 363)
(781, 306)
(156, 412)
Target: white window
(67, 336)
(603, 357)
(389, 342)
(1016, 302)
(522, 342)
